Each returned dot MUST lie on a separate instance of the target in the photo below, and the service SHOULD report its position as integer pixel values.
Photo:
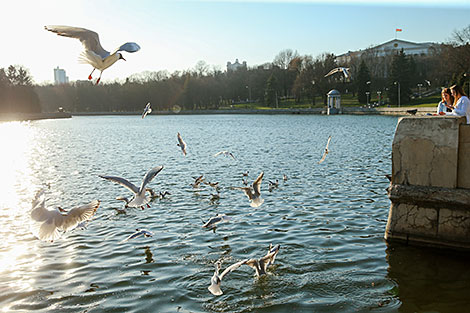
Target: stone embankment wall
(430, 185)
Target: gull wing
(326, 151)
(147, 110)
(38, 207)
(246, 190)
(80, 214)
(89, 39)
(122, 182)
(219, 153)
(345, 71)
(328, 142)
(269, 258)
(257, 183)
(128, 47)
(149, 176)
(231, 268)
(333, 71)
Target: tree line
(289, 76)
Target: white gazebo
(334, 102)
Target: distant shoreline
(346, 110)
(6, 117)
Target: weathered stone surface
(454, 224)
(425, 151)
(411, 219)
(463, 173)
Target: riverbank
(5, 117)
(345, 110)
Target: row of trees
(289, 75)
(17, 93)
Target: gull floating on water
(147, 110)
(220, 218)
(344, 70)
(139, 199)
(138, 233)
(284, 177)
(225, 153)
(181, 144)
(326, 151)
(253, 192)
(216, 279)
(49, 225)
(94, 54)
(260, 265)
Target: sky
(174, 35)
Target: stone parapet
(430, 182)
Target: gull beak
(121, 57)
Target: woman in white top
(447, 98)
(461, 103)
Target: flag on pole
(398, 30)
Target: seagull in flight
(50, 224)
(344, 70)
(225, 153)
(216, 279)
(147, 110)
(139, 199)
(138, 233)
(219, 218)
(326, 151)
(94, 54)
(253, 192)
(181, 144)
(198, 181)
(260, 265)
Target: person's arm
(461, 107)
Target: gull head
(121, 57)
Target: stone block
(412, 220)
(463, 180)
(425, 151)
(454, 225)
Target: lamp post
(367, 95)
(398, 84)
(249, 92)
(378, 96)
(419, 90)
(313, 93)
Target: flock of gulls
(49, 224)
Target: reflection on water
(329, 219)
(428, 279)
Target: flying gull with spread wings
(94, 54)
(50, 224)
(140, 199)
(253, 192)
(181, 144)
(344, 70)
(147, 110)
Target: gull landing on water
(216, 279)
(147, 110)
(260, 265)
(49, 225)
(253, 192)
(139, 199)
(94, 54)
(326, 151)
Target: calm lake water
(329, 218)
